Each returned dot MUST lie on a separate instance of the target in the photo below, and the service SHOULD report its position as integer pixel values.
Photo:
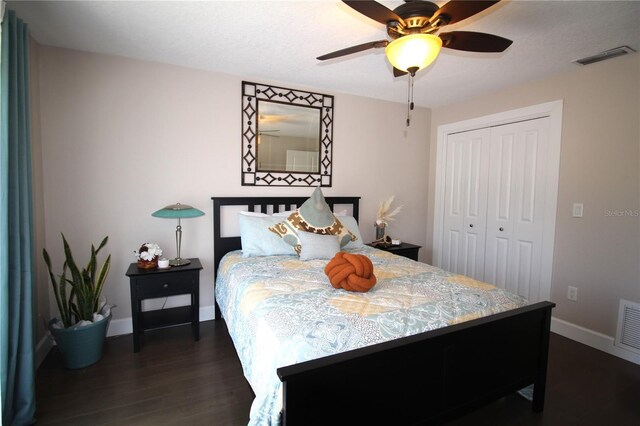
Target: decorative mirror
(287, 136)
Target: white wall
(122, 138)
(600, 167)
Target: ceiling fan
(415, 29)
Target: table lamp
(179, 211)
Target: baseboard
(42, 349)
(122, 326)
(592, 338)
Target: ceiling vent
(607, 54)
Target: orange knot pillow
(352, 272)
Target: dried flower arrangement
(384, 216)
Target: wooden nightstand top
(401, 246)
(404, 249)
(135, 271)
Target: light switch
(577, 209)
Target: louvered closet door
(515, 207)
(465, 208)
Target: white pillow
(256, 238)
(318, 246)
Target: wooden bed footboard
(426, 378)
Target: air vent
(628, 334)
(607, 54)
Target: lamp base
(178, 261)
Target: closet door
(515, 207)
(467, 161)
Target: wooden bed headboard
(223, 245)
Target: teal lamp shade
(178, 211)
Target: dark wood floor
(175, 381)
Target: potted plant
(85, 317)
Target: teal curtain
(16, 229)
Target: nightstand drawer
(164, 285)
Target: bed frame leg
(538, 396)
(216, 314)
(540, 385)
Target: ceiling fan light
(414, 50)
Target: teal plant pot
(81, 347)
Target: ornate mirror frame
(251, 94)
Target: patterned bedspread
(280, 311)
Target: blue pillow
(318, 246)
(256, 238)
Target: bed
(416, 377)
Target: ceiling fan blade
(374, 10)
(457, 10)
(474, 42)
(398, 73)
(353, 49)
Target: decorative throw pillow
(315, 216)
(352, 272)
(352, 225)
(257, 240)
(317, 246)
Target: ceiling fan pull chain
(411, 80)
(410, 100)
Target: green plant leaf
(91, 266)
(75, 311)
(102, 276)
(66, 313)
(102, 244)
(75, 272)
(58, 290)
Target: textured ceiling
(279, 40)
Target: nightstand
(404, 249)
(154, 283)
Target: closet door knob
(471, 225)
(501, 228)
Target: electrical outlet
(572, 293)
